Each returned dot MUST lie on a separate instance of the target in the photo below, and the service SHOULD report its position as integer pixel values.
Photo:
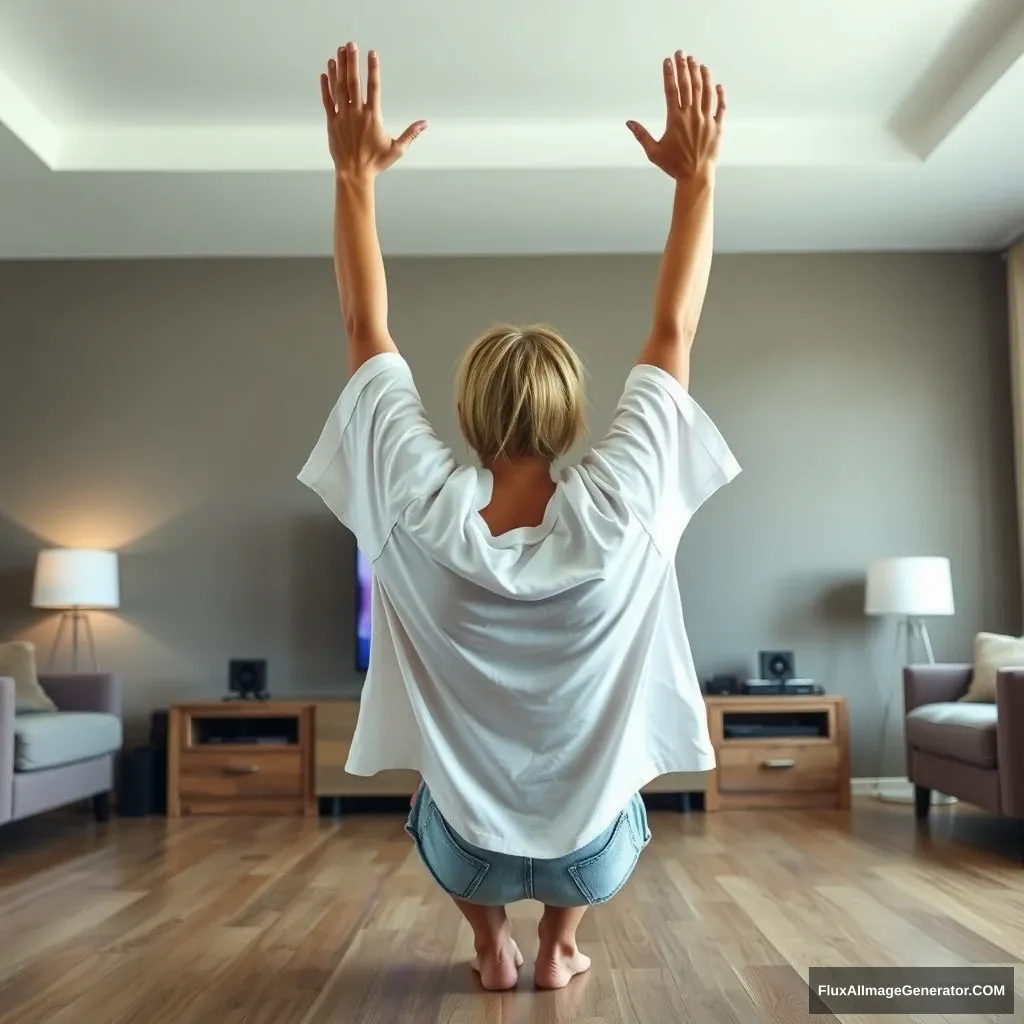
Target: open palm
(694, 120)
(360, 146)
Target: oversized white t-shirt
(537, 679)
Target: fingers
(720, 111)
(642, 135)
(683, 75)
(671, 84)
(696, 82)
(340, 83)
(410, 135)
(707, 91)
(354, 89)
(325, 94)
(373, 84)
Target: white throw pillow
(991, 653)
(18, 659)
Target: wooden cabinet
(241, 757)
(779, 752)
(335, 727)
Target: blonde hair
(520, 393)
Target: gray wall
(164, 409)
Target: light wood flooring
(281, 921)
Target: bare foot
(557, 965)
(499, 970)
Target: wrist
(355, 181)
(701, 181)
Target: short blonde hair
(520, 393)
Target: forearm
(359, 268)
(686, 263)
(682, 280)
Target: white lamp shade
(909, 586)
(76, 578)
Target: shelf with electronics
(780, 741)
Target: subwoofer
(247, 677)
(777, 666)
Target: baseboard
(867, 786)
(900, 789)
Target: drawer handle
(241, 769)
(779, 762)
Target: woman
(529, 655)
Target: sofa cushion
(992, 651)
(957, 730)
(18, 660)
(49, 741)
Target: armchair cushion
(18, 660)
(992, 652)
(49, 741)
(956, 730)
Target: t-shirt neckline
(520, 535)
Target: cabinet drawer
(220, 774)
(777, 767)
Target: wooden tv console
(335, 725)
(283, 756)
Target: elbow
(674, 332)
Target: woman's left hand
(360, 147)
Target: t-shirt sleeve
(662, 456)
(377, 453)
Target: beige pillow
(18, 659)
(991, 653)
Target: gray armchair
(50, 759)
(972, 751)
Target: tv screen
(364, 589)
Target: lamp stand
(911, 628)
(79, 623)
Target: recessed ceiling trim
(26, 121)
(961, 76)
(455, 146)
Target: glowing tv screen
(364, 587)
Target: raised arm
(687, 152)
(361, 149)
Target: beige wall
(164, 409)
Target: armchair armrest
(6, 747)
(934, 684)
(84, 691)
(1009, 745)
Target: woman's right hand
(694, 121)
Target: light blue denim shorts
(591, 875)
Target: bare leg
(497, 956)
(558, 958)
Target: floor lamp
(74, 581)
(911, 590)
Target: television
(364, 600)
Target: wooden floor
(225, 921)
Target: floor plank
(282, 921)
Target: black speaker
(777, 666)
(158, 773)
(135, 794)
(721, 685)
(247, 677)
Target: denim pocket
(454, 868)
(603, 874)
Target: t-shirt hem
(329, 441)
(495, 844)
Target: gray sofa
(972, 751)
(53, 758)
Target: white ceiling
(187, 129)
